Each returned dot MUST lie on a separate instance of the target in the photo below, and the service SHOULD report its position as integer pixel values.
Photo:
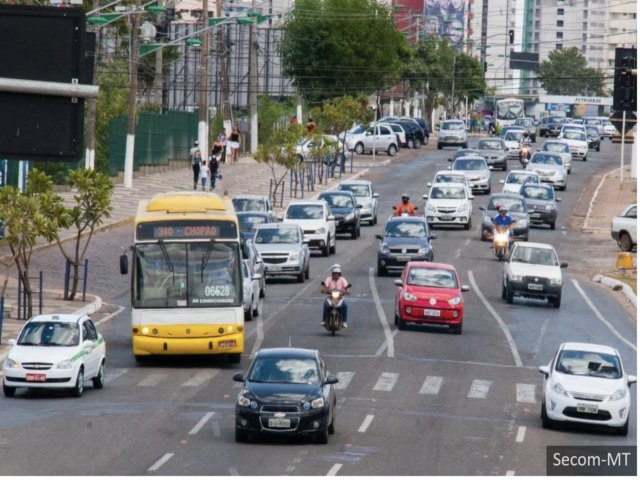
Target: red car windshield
(432, 277)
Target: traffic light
(625, 80)
(511, 36)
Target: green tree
(27, 216)
(93, 191)
(341, 47)
(566, 72)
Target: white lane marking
(201, 423)
(152, 380)
(164, 459)
(505, 330)
(520, 434)
(200, 378)
(510, 473)
(431, 385)
(467, 241)
(365, 424)
(344, 378)
(525, 393)
(601, 318)
(334, 470)
(479, 388)
(543, 331)
(111, 375)
(457, 254)
(381, 315)
(110, 316)
(386, 381)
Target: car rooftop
(433, 265)
(307, 202)
(278, 225)
(355, 182)
(287, 352)
(536, 245)
(55, 317)
(589, 347)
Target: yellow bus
(186, 277)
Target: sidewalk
(600, 200)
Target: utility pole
(453, 85)
(253, 79)
(159, 80)
(223, 55)
(133, 96)
(203, 124)
(90, 151)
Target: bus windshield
(509, 109)
(178, 275)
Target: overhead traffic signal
(625, 81)
(511, 36)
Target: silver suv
(452, 133)
(283, 250)
(365, 196)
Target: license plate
(586, 408)
(274, 268)
(535, 286)
(534, 215)
(280, 422)
(36, 377)
(404, 258)
(428, 312)
(446, 218)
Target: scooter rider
(405, 207)
(503, 219)
(336, 282)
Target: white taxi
(55, 351)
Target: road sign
(630, 122)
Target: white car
(577, 143)
(448, 204)
(533, 271)
(596, 122)
(586, 383)
(550, 169)
(607, 127)
(365, 196)
(449, 176)
(452, 133)
(252, 203)
(307, 147)
(562, 148)
(575, 127)
(516, 178)
(476, 171)
(55, 351)
(384, 140)
(513, 142)
(250, 291)
(316, 221)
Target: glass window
(432, 277)
(589, 364)
(246, 204)
(405, 230)
(284, 370)
(338, 201)
(449, 193)
(358, 190)
(305, 212)
(50, 334)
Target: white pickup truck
(624, 228)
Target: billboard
(445, 18)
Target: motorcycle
(333, 322)
(525, 151)
(501, 241)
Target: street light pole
(203, 109)
(453, 84)
(133, 96)
(253, 79)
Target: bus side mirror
(124, 264)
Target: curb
(617, 285)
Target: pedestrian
(213, 164)
(311, 125)
(195, 158)
(204, 174)
(234, 143)
(294, 120)
(223, 141)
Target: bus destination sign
(186, 230)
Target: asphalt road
(416, 402)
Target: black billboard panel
(524, 61)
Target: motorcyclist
(336, 281)
(405, 206)
(503, 219)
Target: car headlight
(522, 223)
(244, 401)
(294, 255)
(516, 278)
(550, 207)
(409, 297)
(559, 389)
(555, 281)
(431, 208)
(455, 301)
(65, 365)
(463, 208)
(349, 217)
(11, 363)
(423, 250)
(321, 230)
(384, 248)
(317, 402)
(619, 394)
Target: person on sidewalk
(311, 125)
(223, 141)
(204, 174)
(195, 158)
(213, 166)
(234, 143)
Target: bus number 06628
(217, 291)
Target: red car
(429, 293)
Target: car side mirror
(471, 197)
(501, 181)
(631, 379)
(397, 282)
(124, 264)
(378, 236)
(544, 370)
(256, 276)
(433, 237)
(464, 288)
(322, 283)
(375, 195)
(331, 218)
(305, 241)
(558, 200)
(482, 208)
(449, 167)
(449, 159)
(279, 218)
(429, 185)
(238, 377)
(425, 196)
(564, 265)
(11, 342)
(359, 206)
(331, 380)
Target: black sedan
(516, 208)
(593, 137)
(346, 210)
(405, 239)
(286, 391)
(551, 126)
(541, 203)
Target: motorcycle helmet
(405, 195)
(336, 269)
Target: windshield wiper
(205, 258)
(165, 254)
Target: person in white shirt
(336, 282)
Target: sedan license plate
(534, 215)
(446, 218)
(36, 377)
(535, 286)
(428, 312)
(586, 408)
(274, 268)
(403, 258)
(280, 422)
